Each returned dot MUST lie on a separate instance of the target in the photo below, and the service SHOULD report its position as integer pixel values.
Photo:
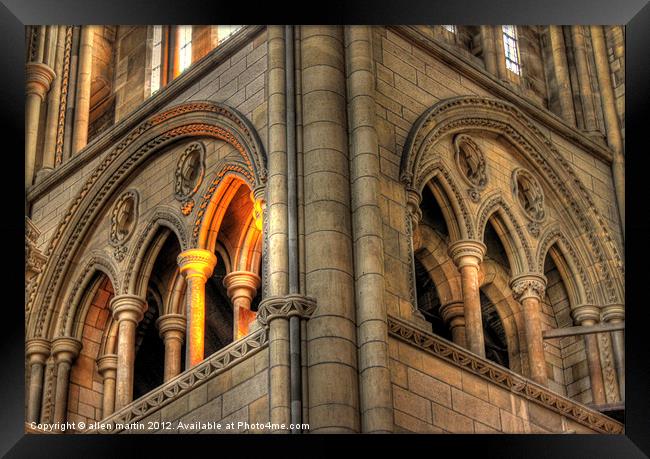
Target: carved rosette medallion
(188, 175)
(123, 220)
(471, 164)
(528, 193)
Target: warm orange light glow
(258, 212)
(246, 318)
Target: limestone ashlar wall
(432, 394)
(229, 386)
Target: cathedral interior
(324, 229)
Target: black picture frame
(635, 14)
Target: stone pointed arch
(577, 280)
(163, 217)
(196, 119)
(83, 283)
(432, 252)
(509, 230)
(436, 175)
(472, 113)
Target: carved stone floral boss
(471, 164)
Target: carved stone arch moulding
(471, 113)
(585, 292)
(471, 164)
(198, 119)
(98, 261)
(163, 216)
(123, 221)
(188, 175)
(494, 203)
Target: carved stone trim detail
(189, 172)
(63, 101)
(502, 377)
(123, 218)
(284, 307)
(527, 286)
(470, 162)
(528, 194)
(185, 382)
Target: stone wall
(431, 394)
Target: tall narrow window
(185, 47)
(511, 48)
(156, 59)
(450, 28)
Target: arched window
(184, 47)
(511, 48)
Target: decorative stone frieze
(284, 307)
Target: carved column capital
(529, 285)
(128, 307)
(197, 263)
(467, 253)
(242, 283)
(452, 311)
(586, 314)
(38, 77)
(172, 324)
(65, 349)
(613, 313)
(37, 350)
(107, 365)
(284, 307)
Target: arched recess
(193, 119)
(91, 323)
(472, 113)
(496, 212)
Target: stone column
(610, 115)
(414, 215)
(528, 290)
(467, 256)
(489, 51)
(329, 268)
(172, 331)
(37, 350)
(454, 316)
(276, 231)
(241, 287)
(49, 144)
(584, 82)
(128, 311)
(196, 265)
(375, 390)
(615, 314)
(502, 71)
(107, 368)
(586, 316)
(82, 102)
(561, 71)
(65, 351)
(39, 77)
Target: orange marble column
(128, 311)
(65, 351)
(196, 265)
(528, 290)
(172, 330)
(242, 287)
(587, 315)
(467, 256)
(107, 368)
(37, 351)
